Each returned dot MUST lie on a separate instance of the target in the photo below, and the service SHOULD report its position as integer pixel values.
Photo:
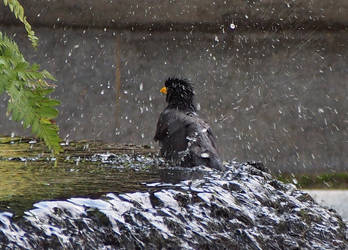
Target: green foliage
(17, 9)
(28, 90)
(324, 180)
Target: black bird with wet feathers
(185, 138)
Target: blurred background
(270, 76)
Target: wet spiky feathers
(185, 138)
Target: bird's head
(179, 94)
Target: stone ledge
(127, 14)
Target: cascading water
(177, 208)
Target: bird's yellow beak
(163, 90)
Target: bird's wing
(203, 149)
(170, 122)
(200, 130)
(162, 128)
(211, 137)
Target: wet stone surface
(134, 201)
(242, 207)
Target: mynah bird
(185, 138)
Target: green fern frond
(18, 10)
(27, 87)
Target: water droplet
(205, 155)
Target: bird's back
(186, 139)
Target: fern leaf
(17, 9)
(28, 90)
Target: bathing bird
(184, 138)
